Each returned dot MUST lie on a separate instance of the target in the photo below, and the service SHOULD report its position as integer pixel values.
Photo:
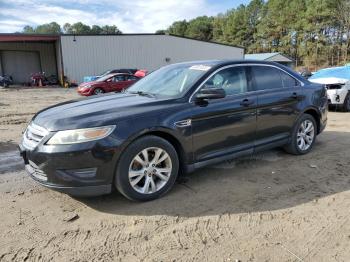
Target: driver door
(119, 83)
(226, 126)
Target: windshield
(103, 78)
(105, 73)
(170, 81)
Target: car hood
(329, 80)
(96, 111)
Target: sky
(130, 16)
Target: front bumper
(84, 91)
(85, 169)
(80, 191)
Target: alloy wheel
(150, 170)
(305, 135)
(98, 91)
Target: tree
(161, 32)
(79, 28)
(28, 30)
(95, 29)
(110, 29)
(178, 28)
(51, 28)
(66, 28)
(200, 28)
(343, 10)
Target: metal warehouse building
(76, 56)
(274, 57)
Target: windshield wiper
(142, 93)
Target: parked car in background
(179, 118)
(6, 80)
(131, 71)
(337, 82)
(116, 82)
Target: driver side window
(233, 80)
(119, 78)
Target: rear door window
(266, 77)
(131, 78)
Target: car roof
(115, 74)
(222, 62)
(216, 64)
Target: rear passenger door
(277, 107)
(130, 80)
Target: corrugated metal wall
(91, 55)
(46, 50)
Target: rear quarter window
(288, 81)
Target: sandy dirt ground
(266, 207)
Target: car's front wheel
(303, 136)
(98, 91)
(147, 169)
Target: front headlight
(80, 135)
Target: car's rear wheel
(98, 91)
(147, 169)
(303, 135)
(346, 105)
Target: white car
(338, 89)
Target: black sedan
(177, 119)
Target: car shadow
(262, 182)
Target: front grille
(34, 170)
(33, 135)
(334, 86)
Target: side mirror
(210, 93)
(109, 80)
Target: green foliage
(76, 28)
(51, 28)
(178, 28)
(313, 32)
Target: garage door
(20, 64)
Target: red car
(116, 82)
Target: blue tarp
(337, 72)
(89, 78)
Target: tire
(346, 105)
(130, 170)
(295, 146)
(98, 91)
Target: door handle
(247, 102)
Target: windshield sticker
(200, 67)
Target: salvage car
(136, 72)
(337, 82)
(179, 118)
(116, 82)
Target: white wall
(91, 55)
